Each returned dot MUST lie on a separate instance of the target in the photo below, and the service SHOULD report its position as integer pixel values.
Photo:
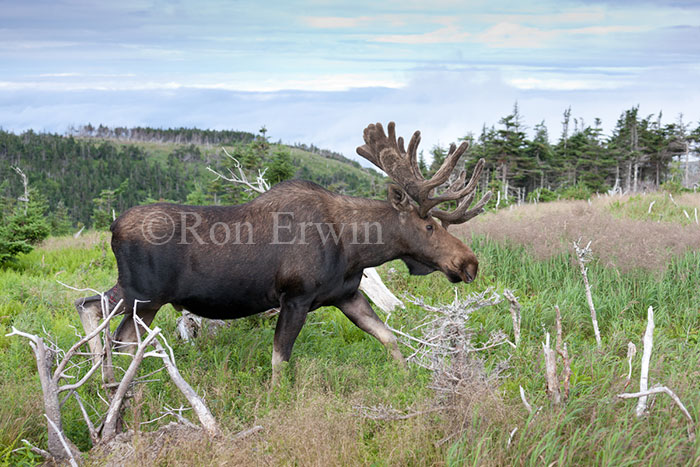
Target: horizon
(315, 73)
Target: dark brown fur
(196, 270)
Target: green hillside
(97, 170)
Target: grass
(309, 419)
(659, 207)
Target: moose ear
(398, 198)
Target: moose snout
(468, 270)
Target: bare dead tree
(80, 365)
(584, 255)
(557, 386)
(260, 185)
(641, 409)
(550, 364)
(445, 344)
(25, 182)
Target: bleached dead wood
(646, 358)
(260, 185)
(527, 405)
(74, 359)
(25, 182)
(442, 343)
(564, 354)
(644, 393)
(372, 285)
(584, 256)
(514, 313)
(550, 365)
(631, 352)
(672, 395)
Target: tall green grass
(335, 366)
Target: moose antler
(388, 153)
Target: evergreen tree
(24, 227)
(280, 167)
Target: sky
(319, 71)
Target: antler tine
(454, 192)
(447, 167)
(388, 153)
(462, 214)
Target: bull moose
(297, 247)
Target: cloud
(512, 35)
(563, 84)
(336, 22)
(445, 35)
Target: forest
(88, 176)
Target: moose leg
(359, 311)
(289, 323)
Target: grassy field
(310, 418)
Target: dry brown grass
(547, 229)
(86, 240)
(317, 427)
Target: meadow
(312, 418)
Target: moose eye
(429, 227)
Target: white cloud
(444, 35)
(563, 84)
(336, 22)
(512, 35)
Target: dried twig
(527, 405)
(514, 313)
(380, 412)
(248, 432)
(664, 389)
(583, 255)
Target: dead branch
(74, 360)
(514, 313)
(527, 405)
(45, 454)
(109, 428)
(372, 285)
(646, 358)
(49, 387)
(64, 444)
(564, 354)
(672, 395)
(631, 352)
(260, 185)
(248, 432)
(205, 417)
(550, 363)
(381, 412)
(584, 256)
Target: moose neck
(371, 234)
